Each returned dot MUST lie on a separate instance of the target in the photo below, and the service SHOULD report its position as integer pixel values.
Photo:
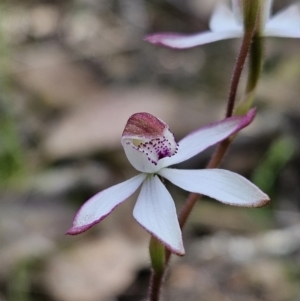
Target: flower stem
(255, 63)
(251, 23)
(157, 276)
(238, 68)
(155, 285)
(157, 255)
(254, 72)
(219, 154)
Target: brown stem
(237, 71)
(155, 285)
(219, 154)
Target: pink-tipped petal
(207, 136)
(181, 41)
(285, 24)
(222, 185)
(155, 211)
(103, 203)
(223, 19)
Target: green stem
(157, 255)
(255, 63)
(255, 67)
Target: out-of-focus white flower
(226, 23)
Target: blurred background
(71, 74)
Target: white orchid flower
(151, 148)
(226, 23)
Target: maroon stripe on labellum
(144, 125)
(150, 136)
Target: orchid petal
(181, 41)
(222, 185)
(155, 211)
(223, 19)
(207, 136)
(103, 203)
(285, 24)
